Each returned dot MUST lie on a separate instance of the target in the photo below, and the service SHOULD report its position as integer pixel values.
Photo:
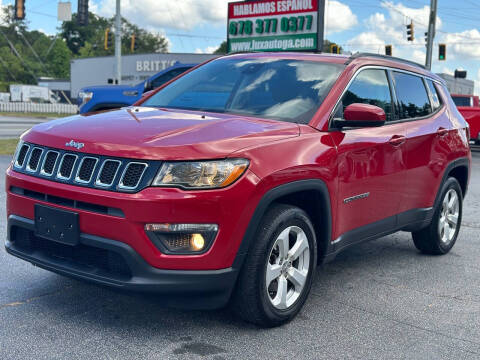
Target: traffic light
(442, 52)
(410, 31)
(19, 10)
(82, 14)
(334, 49)
(108, 42)
(134, 44)
(388, 50)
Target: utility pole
(118, 43)
(431, 33)
(320, 25)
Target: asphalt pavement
(378, 300)
(13, 127)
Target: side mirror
(362, 115)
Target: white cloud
(339, 17)
(446, 70)
(182, 15)
(367, 42)
(390, 29)
(463, 44)
(186, 14)
(207, 50)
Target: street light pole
(118, 43)
(431, 33)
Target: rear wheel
(440, 236)
(278, 272)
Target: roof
(359, 59)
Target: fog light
(198, 242)
(182, 238)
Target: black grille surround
(86, 170)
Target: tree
(222, 49)
(27, 55)
(88, 41)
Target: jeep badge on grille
(74, 144)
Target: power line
(194, 36)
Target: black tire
(429, 239)
(477, 142)
(251, 301)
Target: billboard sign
(273, 25)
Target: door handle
(397, 140)
(442, 131)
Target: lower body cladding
(189, 281)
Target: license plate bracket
(57, 225)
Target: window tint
(436, 103)
(369, 87)
(412, 96)
(162, 79)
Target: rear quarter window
(436, 99)
(412, 96)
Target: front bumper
(116, 264)
(121, 217)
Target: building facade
(458, 86)
(135, 68)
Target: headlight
(86, 96)
(200, 174)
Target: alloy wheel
(287, 267)
(448, 222)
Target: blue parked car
(97, 98)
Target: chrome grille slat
(22, 155)
(72, 167)
(34, 159)
(86, 169)
(132, 175)
(65, 170)
(47, 166)
(105, 179)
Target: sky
(356, 25)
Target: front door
(371, 163)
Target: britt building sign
(280, 25)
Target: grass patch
(8, 146)
(35, 115)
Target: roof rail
(386, 57)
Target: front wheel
(278, 272)
(440, 236)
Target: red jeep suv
(231, 183)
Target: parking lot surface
(378, 300)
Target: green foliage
(87, 41)
(222, 49)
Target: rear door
(371, 161)
(420, 106)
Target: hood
(111, 88)
(150, 133)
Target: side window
(436, 103)
(412, 96)
(369, 87)
(162, 79)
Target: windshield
(287, 90)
